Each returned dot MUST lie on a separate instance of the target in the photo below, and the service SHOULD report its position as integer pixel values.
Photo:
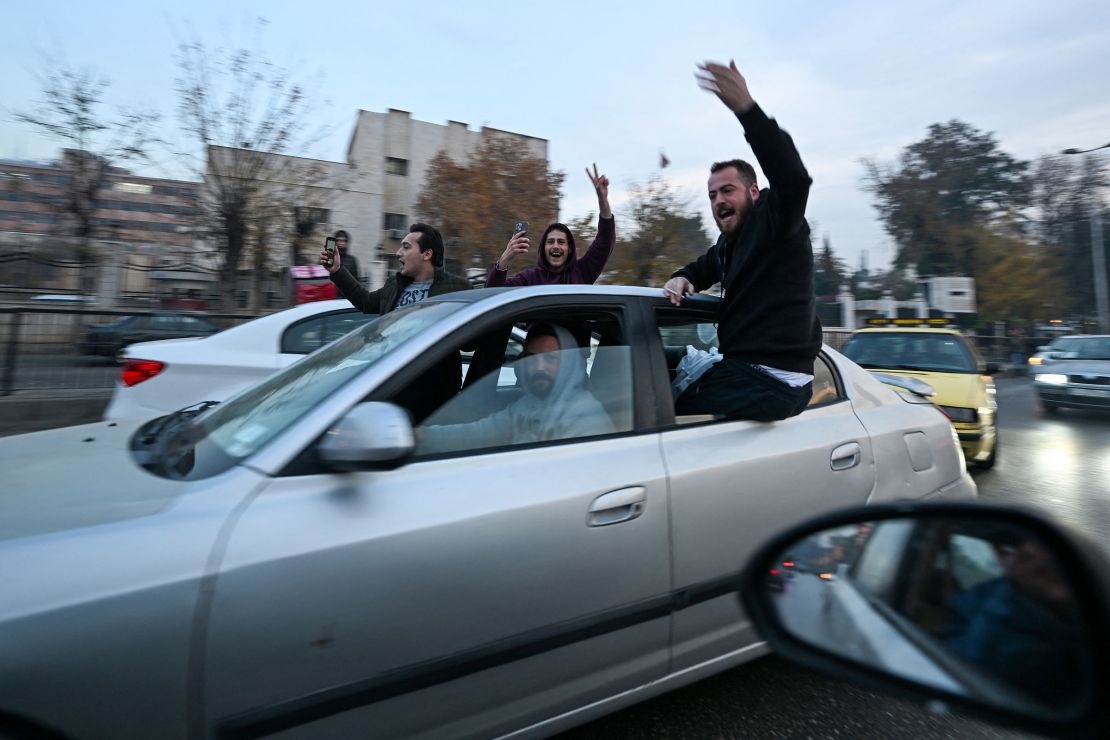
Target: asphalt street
(1059, 464)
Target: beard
(540, 383)
(730, 222)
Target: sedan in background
(107, 340)
(941, 356)
(315, 557)
(159, 377)
(1075, 374)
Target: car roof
(905, 329)
(599, 291)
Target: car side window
(144, 323)
(314, 332)
(825, 388)
(679, 335)
(577, 384)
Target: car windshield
(930, 352)
(236, 429)
(1081, 348)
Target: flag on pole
(663, 161)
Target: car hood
(1076, 367)
(952, 389)
(74, 477)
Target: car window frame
(662, 380)
(630, 317)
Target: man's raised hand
(727, 84)
(517, 245)
(601, 187)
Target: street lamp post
(1098, 254)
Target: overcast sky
(613, 82)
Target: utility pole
(1098, 254)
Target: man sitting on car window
(555, 404)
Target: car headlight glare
(1051, 378)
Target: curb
(20, 414)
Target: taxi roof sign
(908, 322)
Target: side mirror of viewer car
(372, 436)
(989, 609)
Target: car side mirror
(992, 368)
(986, 608)
(372, 436)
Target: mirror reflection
(977, 607)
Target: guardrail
(40, 347)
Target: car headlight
(1051, 378)
(1032, 360)
(958, 413)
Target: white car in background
(159, 377)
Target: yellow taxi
(934, 352)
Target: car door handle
(617, 506)
(845, 456)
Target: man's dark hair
(430, 238)
(540, 329)
(341, 234)
(746, 171)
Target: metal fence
(40, 348)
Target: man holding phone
(342, 242)
(767, 321)
(556, 261)
(421, 275)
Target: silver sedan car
(305, 559)
(1075, 374)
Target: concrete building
(128, 207)
(161, 250)
(373, 194)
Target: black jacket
(384, 298)
(768, 313)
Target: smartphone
(520, 226)
(329, 247)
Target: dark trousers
(739, 390)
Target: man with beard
(767, 321)
(555, 404)
(557, 261)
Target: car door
(733, 482)
(465, 594)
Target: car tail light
(788, 564)
(136, 371)
(774, 571)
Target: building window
(132, 187)
(395, 166)
(394, 221)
